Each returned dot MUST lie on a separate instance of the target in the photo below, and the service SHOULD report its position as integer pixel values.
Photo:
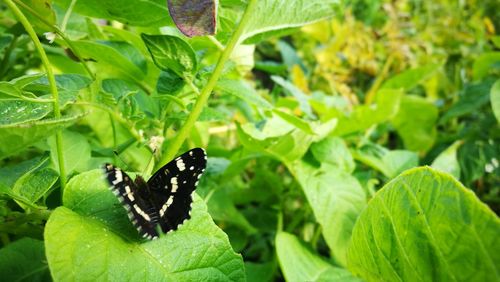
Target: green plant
(338, 133)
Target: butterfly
(165, 199)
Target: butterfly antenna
(149, 163)
(125, 165)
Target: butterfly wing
(141, 211)
(172, 186)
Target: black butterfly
(165, 199)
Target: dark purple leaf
(194, 17)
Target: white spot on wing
(173, 181)
(118, 177)
(180, 164)
(142, 213)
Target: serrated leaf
(172, 53)
(24, 260)
(100, 242)
(194, 17)
(424, 225)
(299, 263)
(271, 15)
(14, 138)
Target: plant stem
(61, 34)
(378, 82)
(207, 90)
(52, 82)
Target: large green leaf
(24, 260)
(299, 263)
(416, 123)
(426, 226)
(140, 13)
(336, 198)
(334, 151)
(271, 15)
(100, 242)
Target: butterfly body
(165, 199)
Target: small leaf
(484, 64)
(9, 91)
(471, 98)
(194, 17)
(495, 99)
(24, 260)
(416, 123)
(425, 225)
(35, 184)
(172, 53)
(96, 230)
(169, 82)
(295, 121)
(299, 263)
(447, 161)
(301, 97)
(334, 151)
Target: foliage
(341, 138)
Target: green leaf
(495, 99)
(270, 15)
(17, 137)
(426, 226)
(9, 91)
(194, 18)
(43, 8)
(67, 82)
(76, 151)
(110, 60)
(149, 13)
(291, 145)
(334, 151)
(242, 90)
(299, 263)
(301, 97)
(336, 198)
(10, 174)
(24, 260)
(447, 161)
(390, 163)
(295, 121)
(411, 78)
(471, 98)
(386, 106)
(172, 53)
(484, 64)
(169, 82)
(15, 112)
(97, 234)
(33, 185)
(416, 123)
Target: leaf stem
(52, 82)
(207, 90)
